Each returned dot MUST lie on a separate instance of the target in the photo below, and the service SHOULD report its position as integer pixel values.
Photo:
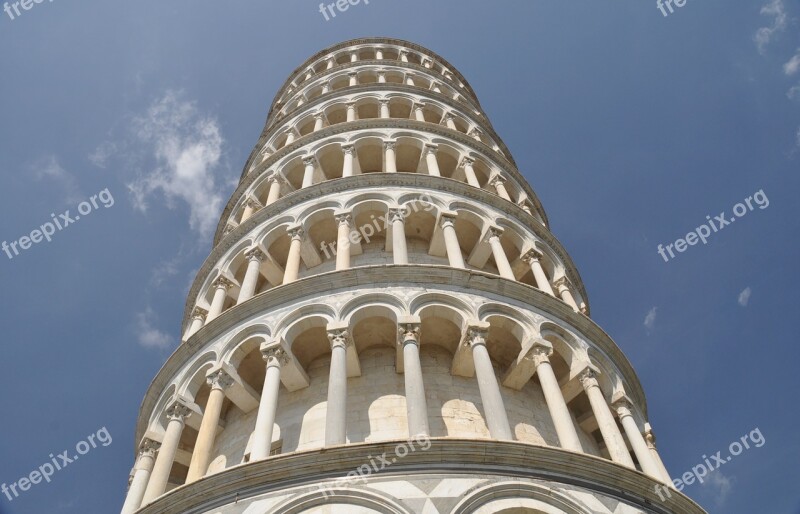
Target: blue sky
(632, 127)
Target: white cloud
(49, 169)
(102, 154)
(764, 35)
(149, 336)
(718, 485)
(187, 147)
(744, 297)
(650, 319)
(794, 92)
(792, 66)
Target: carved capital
(390, 145)
(562, 284)
(339, 339)
(199, 313)
(254, 254)
(219, 379)
(274, 354)
(623, 407)
(343, 218)
(222, 283)
(589, 379)
(409, 333)
(178, 411)
(466, 161)
(349, 149)
(476, 336)
(531, 256)
(148, 448)
(309, 160)
(540, 353)
(431, 148)
(296, 233)
(397, 214)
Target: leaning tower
(386, 324)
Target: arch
(194, 377)
(342, 495)
(245, 341)
(545, 497)
(156, 421)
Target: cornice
(448, 456)
(412, 275)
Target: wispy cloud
(187, 147)
(102, 154)
(792, 66)
(744, 297)
(148, 335)
(719, 486)
(764, 35)
(650, 319)
(49, 169)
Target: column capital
(449, 116)
(475, 132)
(199, 313)
(397, 214)
(384, 101)
(253, 203)
(289, 130)
(339, 338)
(352, 74)
(222, 282)
(349, 149)
(540, 352)
(219, 379)
(148, 447)
(477, 334)
(562, 284)
(623, 406)
(309, 160)
(495, 179)
(531, 255)
(419, 105)
(319, 115)
(274, 354)
(178, 410)
(466, 161)
(431, 148)
(588, 379)
(296, 232)
(390, 144)
(649, 436)
(254, 254)
(447, 217)
(343, 217)
(409, 333)
(494, 231)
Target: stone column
(500, 186)
(176, 416)
(399, 248)
(289, 137)
(379, 54)
(419, 112)
(430, 159)
(274, 189)
(562, 420)
(427, 63)
(381, 77)
(220, 285)
(251, 205)
(351, 111)
(326, 87)
(476, 134)
(308, 174)
(410, 79)
(436, 88)
(605, 420)
(469, 171)
(141, 476)
(292, 270)
(533, 259)
(331, 63)
(500, 258)
(336, 414)
(198, 320)
(635, 437)
(404, 55)
(348, 168)
(385, 113)
(201, 456)
(391, 159)
(449, 120)
(650, 438)
(454, 254)
(250, 281)
(319, 121)
(416, 405)
(562, 285)
(493, 408)
(275, 358)
(353, 57)
(353, 78)
(343, 221)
